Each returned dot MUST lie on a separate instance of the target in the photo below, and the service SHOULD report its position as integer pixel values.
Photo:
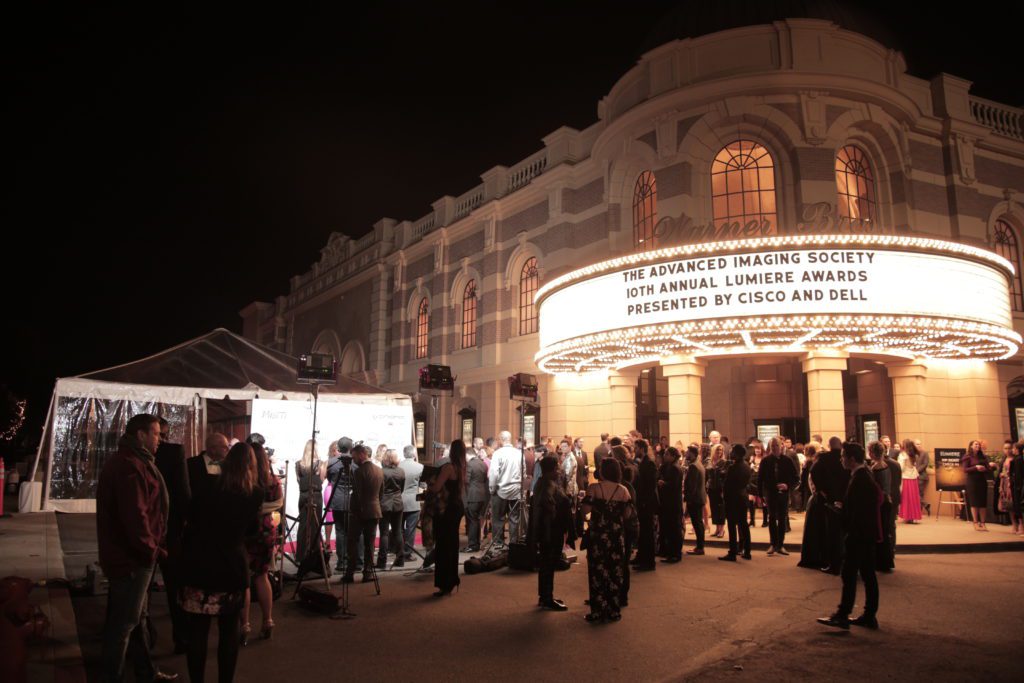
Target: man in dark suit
(601, 452)
(647, 505)
(831, 480)
(170, 460)
(476, 497)
(364, 511)
(203, 469)
(550, 520)
(895, 490)
(695, 496)
(775, 477)
(737, 478)
(861, 520)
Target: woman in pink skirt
(910, 503)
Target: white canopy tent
(88, 413)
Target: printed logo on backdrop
(820, 218)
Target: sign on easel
(949, 475)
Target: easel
(959, 503)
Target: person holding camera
(364, 511)
(339, 473)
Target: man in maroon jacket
(131, 525)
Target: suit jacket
(413, 471)
(862, 518)
(671, 492)
(694, 492)
(198, 477)
(830, 478)
(367, 484)
(550, 513)
(582, 470)
(170, 460)
(476, 481)
(895, 480)
(737, 478)
(922, 463)
(393, 479)
(775, 470)
(601, 452)
(647, 486)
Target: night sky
(168, 169)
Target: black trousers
(834, 537)
(739, 535)
(778, 516)
(172, 585)
(550, 554)
(474, 518)
(670, 524)
(367, 528)
(696, 514)
(227, 646)
(860, 559)
(645, 544)
(390, 539)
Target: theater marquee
(903, 296)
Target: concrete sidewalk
(30, 547)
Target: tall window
(422, 328)
(527, 288)
(743, 185)
(855, 184)
(1007, 247)
(469, 315)
(645, 211)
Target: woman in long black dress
(613, 527)
(215, 572)
(670, 505)
(452, 480)
(814, 548)
(879, 468)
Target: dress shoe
(469, 549)
(164, 676)
(644, 568)
(695, 551)
(781, 550)
(672, 560)
(554, 605)
(830, 570)
(771, 551)
(747, 556)
(865, 621)
(836, 621)
(728, 558)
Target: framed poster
(766, 432)
(707, 426)
(421, 429)
(530, 430)
(869, 429)
(467, 430)
(1019, 414)
(949, 475)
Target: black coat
(775, 470)
(737, 479)
(895, 481)
(170, 460)
(214, 556)
(647, 486)
(671, 491)
(830, 478)
(862, 518)
(198, 477)
(550, 513)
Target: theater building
(770, 228)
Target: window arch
(469, 315)
(1008, 247)
(855, 184)
(645, 211)
(422, 328)
(743, 185)
(527, 289)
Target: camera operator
(339, 471)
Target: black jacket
(862, 518)
(895, 481)
(170, 460)
(214, 556)
(830, 478)
(550, 513)
(694, 492)
(198, 477)
(775, 470)
(737, 479)
(476, 481)
(647, 486)
(671, 491)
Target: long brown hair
(264, 474)
(238, 471)
(910, 448)
(457, 457)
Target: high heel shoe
(244, 638)
(268, 629)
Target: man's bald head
(217, 446)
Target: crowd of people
(211, 522)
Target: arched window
(422, 328)
(1007, 247)
(855, 184)
(527, 288)
(743, 185)
(645, 211)
(469, 315)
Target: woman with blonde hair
(716, 488)
(310, 472)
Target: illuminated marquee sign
(868, 293)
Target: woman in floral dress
(613, 528)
